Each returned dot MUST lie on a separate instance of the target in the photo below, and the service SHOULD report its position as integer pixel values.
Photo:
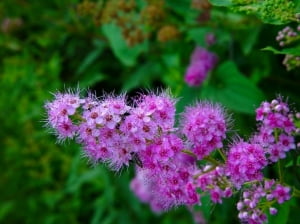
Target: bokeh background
(120, 46)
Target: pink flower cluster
(202, 62)
(110, 130)
(253, 198)
(168, 171)
(204, 126)
(245, 162)
(59, 112)
(166, 183)
(276, 129)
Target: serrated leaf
(233, 89)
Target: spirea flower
(168, 173)
(202, 62)
(276, 129)
(113, 132)
(254, 199)
(205, 126)
(59, 112)
(245, 162)
(168, 183)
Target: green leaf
(6, 208)
(233, 89)
(221, 2)
(141, 77)
(89, 59)
(283, 213)
(298, 161)
(127, 55)
(249, 39)
(292, 51)
(198, 35)
(206, 206)
(91, 79)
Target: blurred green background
(49, 46)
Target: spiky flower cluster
(259, 198)
(276, 129)
(201, 63)
(168, 171)
(204, 126)
(245, 162)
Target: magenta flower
(281, 193)
(204, 125)
(245, 162)
(274, 119)
(202, 62)
(59, 112)
(168, 170)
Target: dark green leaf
(141, 76)
(292, 51)
(89, 59)
(233, 89)
(89, 80)
(283, 213)
(250, 39)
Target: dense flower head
(111, 131)
(168, 170)
(202, 61)
(250, 205)
(165, 183)
(276, 129)
(159, 109)
(204, 126)
(245, 162)
(59, 111)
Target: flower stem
(279, 164)
(222, 155)
(212, 160)
(189, 152)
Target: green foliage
(233, 90)
(127, 55)
(291, 50)
(54, 48)
(269, 11)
